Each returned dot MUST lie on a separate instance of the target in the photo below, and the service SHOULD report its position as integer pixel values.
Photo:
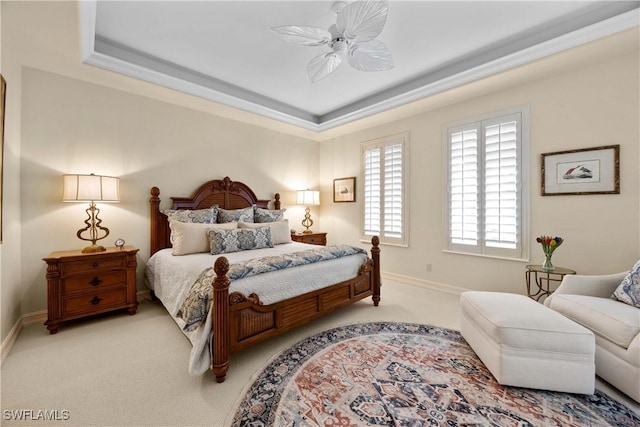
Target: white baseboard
(7, 344)
(38, 316)
(441, 287)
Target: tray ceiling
(224, 51)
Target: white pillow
(280, 232)
(192, 237)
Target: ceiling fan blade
(370, 56)
(362, 20)
(307, 36)
(322, 65)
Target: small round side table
(542, 280)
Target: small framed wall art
(344, 190)
(585, 171)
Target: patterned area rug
(405, 375)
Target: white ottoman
(525, 344)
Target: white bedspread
(171, 277)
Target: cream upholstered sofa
(616, 326)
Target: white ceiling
(224, 50)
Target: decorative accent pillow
(235, 215)
(192, 238)
(280, 232)
(268, 215)
(200, 216)
(628, 291)
(241, 239)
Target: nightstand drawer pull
(96, 300)
(95, 265)
(95, 282)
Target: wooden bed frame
(241, 321)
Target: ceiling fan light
(340, 47)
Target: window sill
(448, 251)
(399, 245)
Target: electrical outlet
(429, 267)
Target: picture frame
(344, 190)
(583, 171)
(3, 97)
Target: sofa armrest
(591, 285)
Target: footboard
(241, 321)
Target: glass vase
(547, 265)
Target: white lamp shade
(87, 188)
(308, 197)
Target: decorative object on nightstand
(82, 284)
(311, 238)
(308, 198)
(91, 188)
(119, 243)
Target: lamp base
(93, 249)
(307, 232)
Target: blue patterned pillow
(200, 216)
(628, 291)
(235, 215)
(267, 215)
(241, 239)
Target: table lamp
(91, 188)
(308, 198)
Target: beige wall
(70, 126)
(11, 292)
(592, 102)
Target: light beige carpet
(121, 370)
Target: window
(384, 189)
(487, 199)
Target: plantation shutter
(485, 194)
(393, 194)
(501, 187)
(463, 186)
(372, 200)
(384, 190)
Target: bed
(241, 318)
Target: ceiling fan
(352, 36)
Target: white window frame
(521, 252)
(403, 140)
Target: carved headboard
(222, 192)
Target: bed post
(375, 256)
(220, 318)
(154, 205)
(276, 202)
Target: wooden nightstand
(80, 285)
(312, 238)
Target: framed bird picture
(584, 171)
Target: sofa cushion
(612, 320)
(628, 291)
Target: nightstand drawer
(88, 265)
(314, 240)
(94, 302)
(94, 281)
(310, 238)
